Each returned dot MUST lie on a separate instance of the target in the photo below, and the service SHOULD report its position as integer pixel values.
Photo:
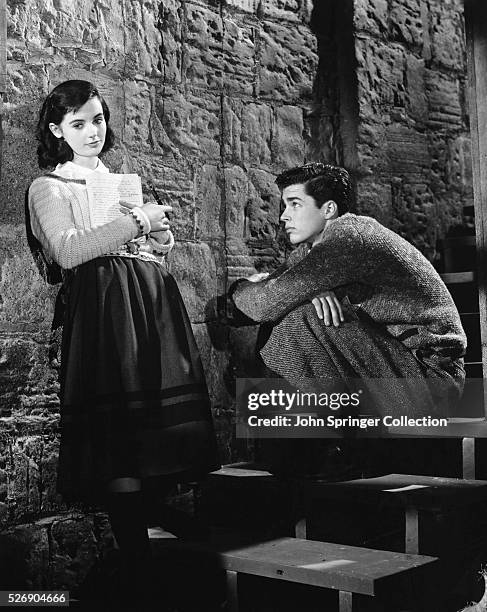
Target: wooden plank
(234, 471)
(476, 30)
(3, 45)
(457, 278)
(322, 564)
(403, 490)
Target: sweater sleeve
(337, 261)
(53, 225)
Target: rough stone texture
(210, 99)
(413, 128)
(55, 552)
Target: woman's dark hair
(66, 97)
(323, 182)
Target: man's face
(303, 220)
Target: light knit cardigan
(60, 220)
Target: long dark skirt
(134, 402)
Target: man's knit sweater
(60, 220)
(383, 276)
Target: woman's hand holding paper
(155, 213)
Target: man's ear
(330, 209)
(56, 130)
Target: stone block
(202, 48)
(451, 166)
(375, 199)
(380, 76)
(175, 187)
(288, 142)
(417, 104)
(189, 127)
(26, 299)
(288, 62)
(139, 100)
(406, 22)
(407, 151)
(371, 16)
(31, 470)
(414, 214)
(23, 468)
(285, 10)
(55, 553)
(236, 198)
(24, 557)
(248, 130)
(170, 25)
(444, 94)
(209, 202)
(448, 34)
(264, 239)
(239, 55)
(26, 379)
(194, 268)
(247, 6)
(143, 39)
(51, 500)
(74, 550)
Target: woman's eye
(99, 120)
(77, 126)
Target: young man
(392, 314)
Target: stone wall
(210, 99)
(413, 146)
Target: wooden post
(476, 30)
(412, 531)
(232, 591)
(345, 601)
(468, 456)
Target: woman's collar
(75, 171)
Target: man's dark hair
(323, 182)
(67, 97)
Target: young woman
(135, 413)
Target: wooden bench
(416, 495)
(349, 570)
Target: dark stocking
(129, 525)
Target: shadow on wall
(333, 118)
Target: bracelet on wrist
(141, 219)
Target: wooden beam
(476, 30)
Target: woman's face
(84, 131)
